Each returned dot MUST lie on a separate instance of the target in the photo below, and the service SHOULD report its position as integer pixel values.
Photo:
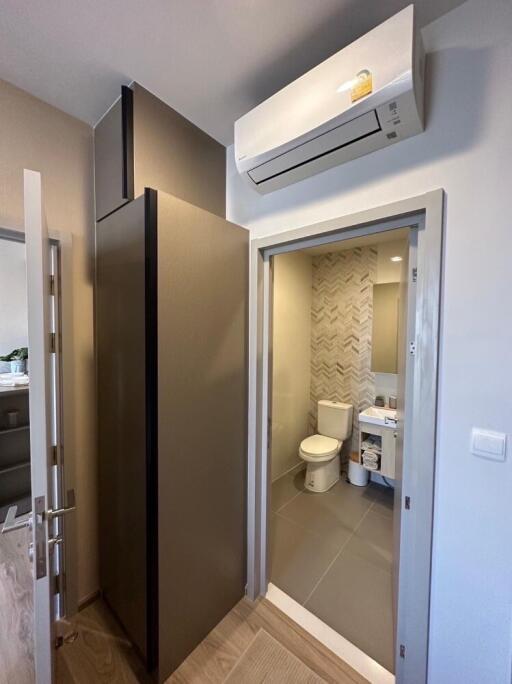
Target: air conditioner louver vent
(333, 140)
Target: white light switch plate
(489, 444)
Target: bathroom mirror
(385, 328)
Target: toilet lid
(319, 445)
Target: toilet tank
(334, 419)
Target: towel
(13, 379)
(372, 441)
(369, 446)
(371, 459)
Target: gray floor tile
(373, 540)
(286, 488)
(355, 599)
(332, 515)
(298, 558)
(384, 499)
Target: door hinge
(407, 503)
(52, 343)
(59, 583)
(414, 275)
(52, 285)
(402, 651)
(412, 348)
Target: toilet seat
(319, 448)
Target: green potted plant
(17, 359)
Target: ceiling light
(396, 258)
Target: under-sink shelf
(387, 438)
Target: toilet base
(320, 477)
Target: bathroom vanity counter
(386, 439)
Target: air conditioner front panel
(315, 99)
(341, 136)
(318, 121)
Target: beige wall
(291, 358)
(37, 136)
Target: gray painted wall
(466, 149)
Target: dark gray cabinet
(141, 142)
(171, 303)
(113, 156)
(175, 156)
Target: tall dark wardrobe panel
(171, 343)
(202, 312)
(121, 379)
(171, 325)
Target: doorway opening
(14, 382)
(343, 377)
(334, 383)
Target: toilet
(322, 451)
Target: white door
(40, 411)
(47, 508)
(45, 520)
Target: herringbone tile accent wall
(341, 331)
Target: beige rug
(266, 660)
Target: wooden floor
(217, 655)
(96, 651)
(16, 610)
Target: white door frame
(425, 211)
(64, 291)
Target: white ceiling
(212, 60)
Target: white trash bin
(357, 475)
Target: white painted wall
(13, 297)
(467, 150)
(291, 356)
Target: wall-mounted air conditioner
(367, 96)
